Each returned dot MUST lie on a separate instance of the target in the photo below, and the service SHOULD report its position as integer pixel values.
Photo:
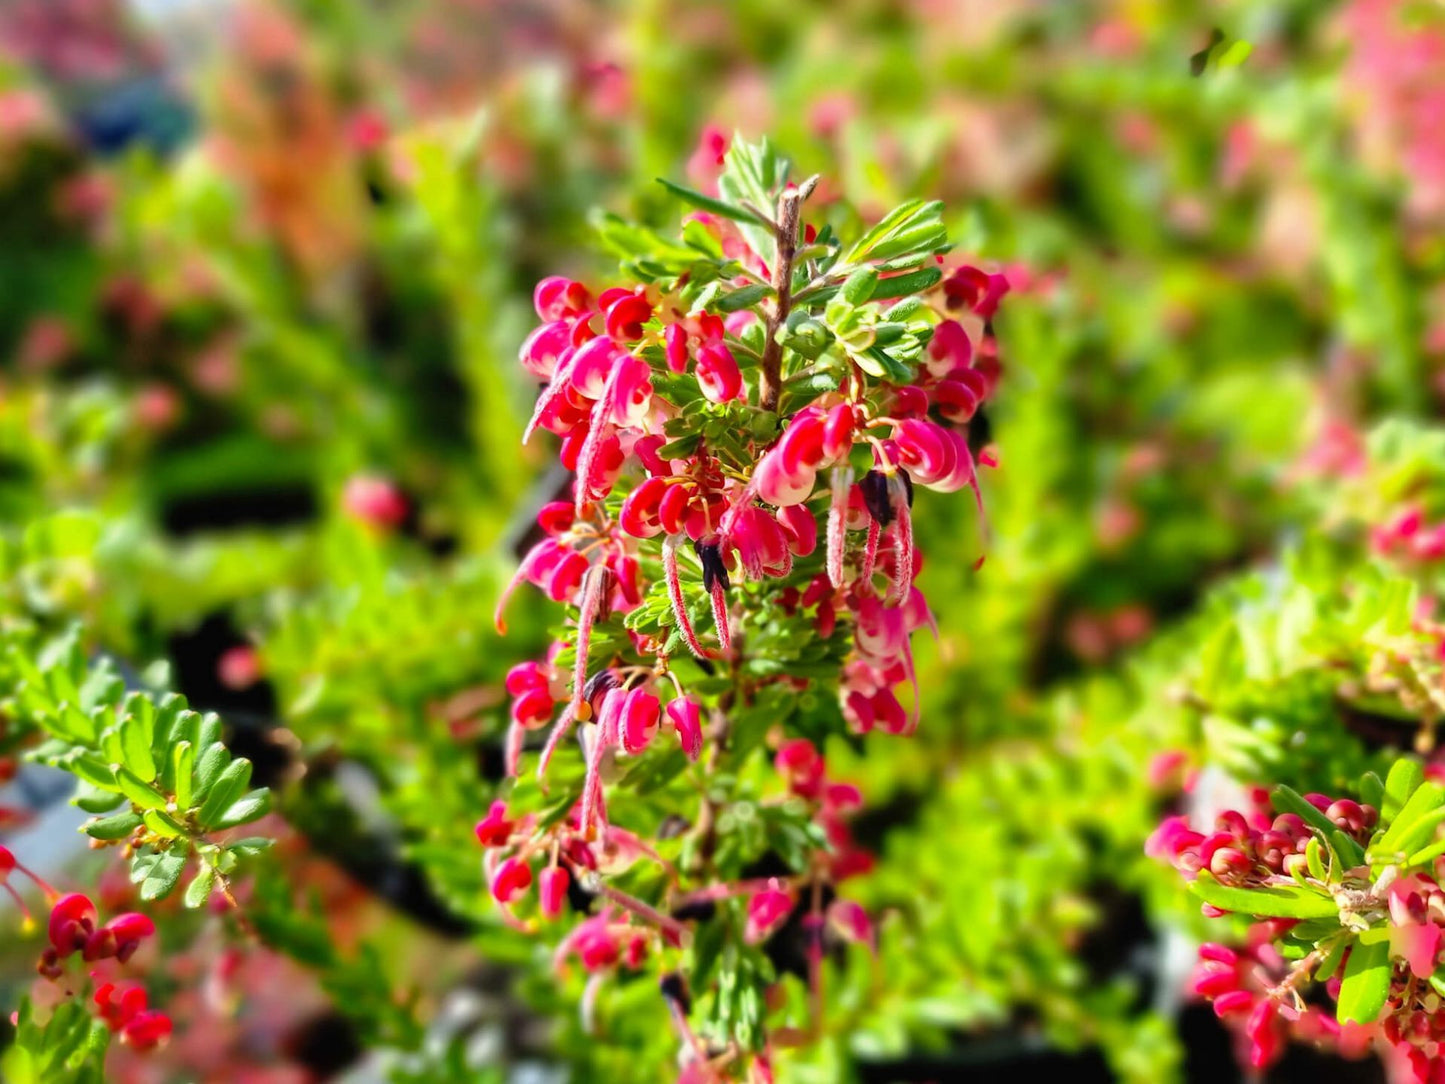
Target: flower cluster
(745, 428)
(75, 931)
(1407, 535)
(1252, 848)
(1349, 896)
(1244, 985)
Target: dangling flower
(495, 829)
(512, 878)
(718, 376)
(552, 891)
(683, 714)
(768, 909)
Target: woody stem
(790, 209)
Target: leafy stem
(790, 209)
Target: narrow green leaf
(858, 287)
(137, 745)
(111, 745)
(1314, 858)
(1425, 799)
(163, 824)
(1405, 776)
(745, 297)
(708, 203)
(92, 771)
(245, 810)
(1427, 855)
(1366, 983)
(1281, 902)
(113, 828)
(183, 764)
(212, 762)
(230, 786)
(94, 800)
(1372, 790)
(139, 791)
(903, 285)
(1331, 963)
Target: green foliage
(67, 1048)
(133, 753)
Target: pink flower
(495, 830)
(638, 716)
(707, 159)
(850, 921)
(675, 340)
(239, 667)
(558, 298)
(72, 921)
(718, 376)
(781, 486)
(374, 501)
(798, 762)
(552, 890)
(625, 317)
(120, 937)
(640, 515)
(683, 714)
(1413, 937)
(512, 878)
(767, 910)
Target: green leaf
(896, 232)
(231, 784)
(859, 285)
(245, 810)
(1331, 963)
(1427, 855)
(744, 297)
(1314, 858)
(199, 890)
(163, 824)
(250, 845)
(138, 791)
(92, 771)
(708, 203)
(163, 875)
(208, 769)
(94, 800)
(1405, 776)
(1280, 902)
(1372, 790)
(183, 763)
(879, 363)
(136, 741)
(1366, 983)
(113, 828)
(1424, 800)
(914, 282)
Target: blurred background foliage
(252, 251)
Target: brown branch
(790, 210)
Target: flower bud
(495, 830)
(552, 890)
(512, 879)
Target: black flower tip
(713, 569)
(874, 486)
